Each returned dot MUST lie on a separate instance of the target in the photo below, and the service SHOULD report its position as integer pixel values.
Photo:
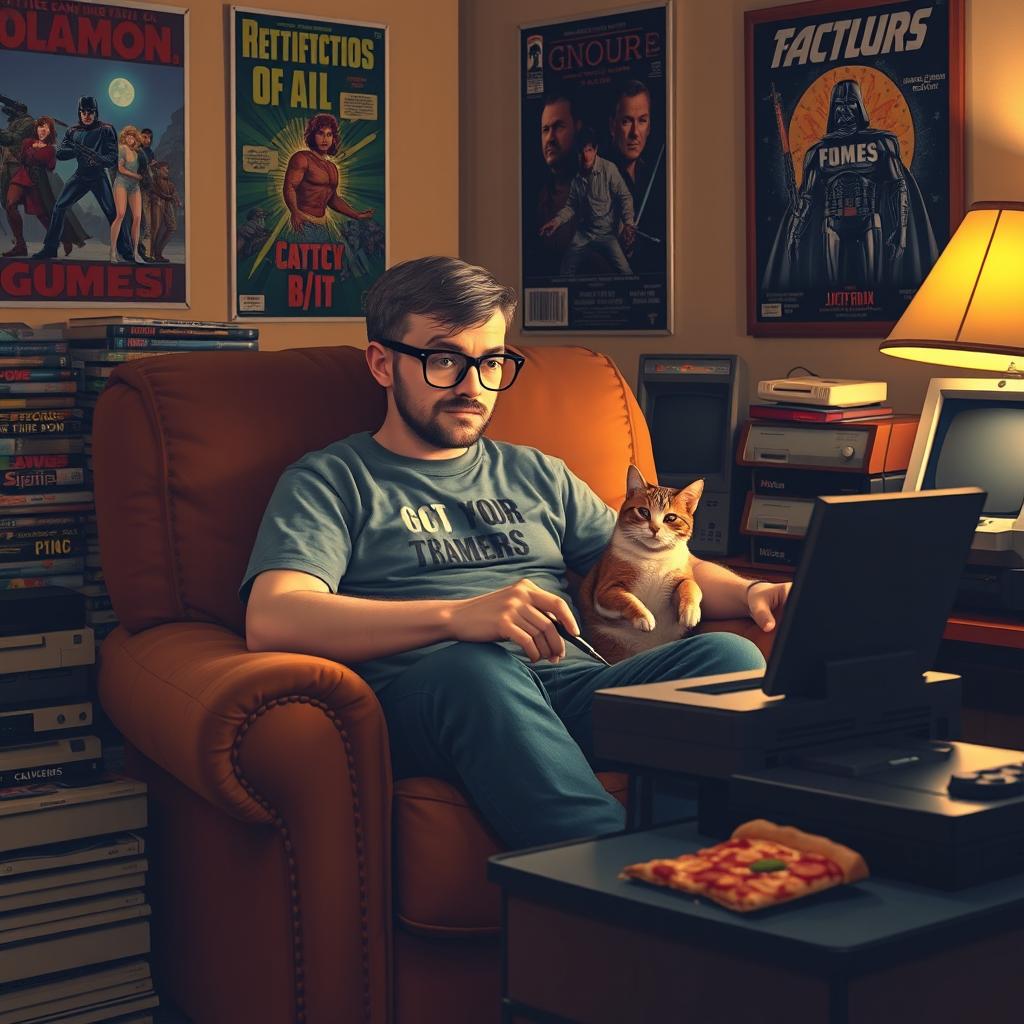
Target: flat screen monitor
(877, 579)
(971, 434)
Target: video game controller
(989, 783)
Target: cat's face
(657, 518)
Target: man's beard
(431, 429)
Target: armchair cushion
(440, 857)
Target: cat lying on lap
(641, 592)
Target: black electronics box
(40, 610)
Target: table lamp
(969, 311)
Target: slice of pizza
(761, 865)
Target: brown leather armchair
(292, 879)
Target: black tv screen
(688, 431)
(980, 443)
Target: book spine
(32, 348)
(37, 387)
(44, 522)
(182, 344)
(54, 362)
(42, 428)
(30, 582)
(14, 374)
(46, 543)
(32, 479)
(58, 772)
(38, 402)
(178, 333)
(39, 415)
(41, 460)
(29, 499)
(71, 855)
(42, 567)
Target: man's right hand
(298, 222)
(521, 613)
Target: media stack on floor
(824, 439)
(74, 930)
(98, 345)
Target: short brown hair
(456, 294)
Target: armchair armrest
(290, 741)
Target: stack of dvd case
(73, 909)
(98, 345)
(45, 495)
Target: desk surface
(850, 928)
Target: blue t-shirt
(373, 524)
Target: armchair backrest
(188, 448)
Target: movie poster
(854, 160)
(596, 167)
(308, 146)
(92, 154)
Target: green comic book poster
(308, 151)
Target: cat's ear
(634, 480)
(691, 494)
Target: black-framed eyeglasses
(444, 367)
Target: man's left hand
(765, 601)
(628, 236)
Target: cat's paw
(644, 622)
(689, 614)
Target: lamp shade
(969, 311)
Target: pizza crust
(850, 862)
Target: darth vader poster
(854, 160)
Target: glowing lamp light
(969, 311)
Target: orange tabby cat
(641, 593)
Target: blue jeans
(518, 737)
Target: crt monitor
(877, 579)
(971, 434)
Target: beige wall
(423, 209)
(710, 283)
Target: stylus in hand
(578, 641)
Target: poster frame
(232, 11)
(954, 69)
(670, 165)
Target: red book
(818, 413)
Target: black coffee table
(583, 946)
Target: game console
(822, 391)
(32, 652)
(29, 723)
(866, 447)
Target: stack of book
(74, 928)
(45, 493)
(98, 345)
(72, 903)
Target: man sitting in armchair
(433, 560)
